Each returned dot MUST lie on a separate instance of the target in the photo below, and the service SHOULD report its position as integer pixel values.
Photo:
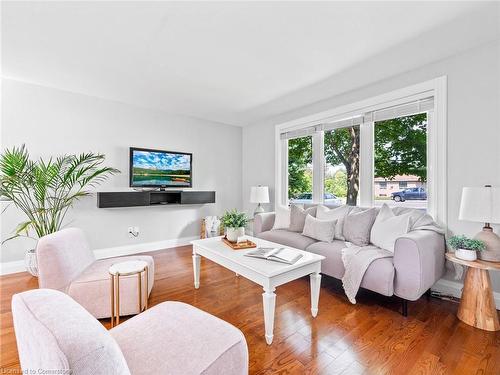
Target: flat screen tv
(160, 169)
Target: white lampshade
(481, 204)
(259, 194)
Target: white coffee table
(266, 273)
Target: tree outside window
(299, 166)
(400, 149)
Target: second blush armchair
(66, 263)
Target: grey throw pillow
(357, 226)
(321, 230)
(298, 217)
(337, 213)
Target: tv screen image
(156, 168)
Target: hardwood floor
(371, 337)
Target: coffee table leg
(196, 269)
(315, 288)
(269, 299)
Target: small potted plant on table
(466, 248)
(235, 223)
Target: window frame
(436, 145)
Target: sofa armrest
(418, 263)
(263, 222)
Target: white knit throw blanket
(357, 259)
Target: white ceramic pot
(30, 262)
(466, 254)
(232, 234)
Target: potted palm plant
(466, 248)
(44, 190)
(235, 223)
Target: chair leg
(404, 307)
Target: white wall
(52, 122)
(473, 127)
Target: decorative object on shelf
(482, 204)
(477, 305)
(211, 227)
(44, 190)
(239, 245)
(466, 248)
(259, 194)
(235, 223)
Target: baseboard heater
(153, 198)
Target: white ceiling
(219, 61)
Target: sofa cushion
(357, 226)
(54, 333)
(298, 217)
(379, 276)
(337, 213)
(321, 230)
(287, 238)
(175, 338)
(92, 290)
(282, 217)
(388, 227)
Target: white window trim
(437, 144)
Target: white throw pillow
(321, 230)
(388, 227)
(281, 217)
(338, 213)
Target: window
(396, 142)
(341, 153)
(400, 153)
(300, 169)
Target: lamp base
(258, 210)
(492, 242)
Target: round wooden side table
(477, 306)
(128, 268)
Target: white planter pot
(30, 262)
(466, 254)
(232, 234)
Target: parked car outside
(328, 199)
(417, 193)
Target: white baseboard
(142, 247)
(454, 288)
(18, 265)
(12, 267)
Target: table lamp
(482, 204)
(259, 194)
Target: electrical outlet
(133, 232)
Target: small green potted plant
(466, 248)
(235, 223)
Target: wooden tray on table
(239, 245)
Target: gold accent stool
(477, 306)
(128, 268)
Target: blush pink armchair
(56, 335)
(66, 263)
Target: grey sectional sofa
(418, 261)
